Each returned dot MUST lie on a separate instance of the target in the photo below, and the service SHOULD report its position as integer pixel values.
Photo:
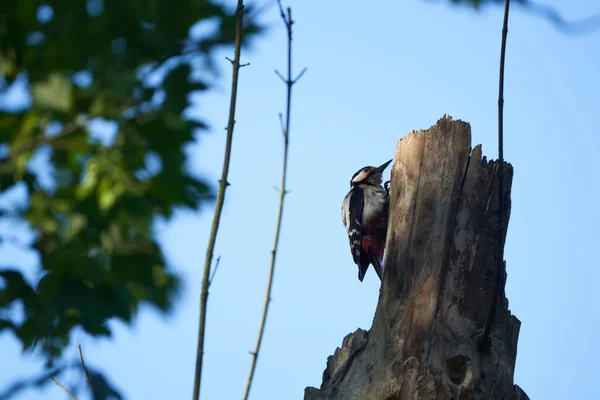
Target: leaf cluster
(80, 64)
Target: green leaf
(108, 192)
(7, 65)
(98, 105)
(89, 181)
(54, 93)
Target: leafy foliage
(77, 64)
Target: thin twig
(22, 384)
(288, 21)
(484, 340)
(220, 199)
(85, 371)
(280, 77)
(212, 277)
(300, 75)
(64, 388)
(241, 65)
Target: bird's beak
(384, 166)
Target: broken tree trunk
(439, 283)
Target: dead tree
(440, 283)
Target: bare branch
(241, 65)
(483, 342)
(285, 128)
(281, 11)
(38, 381)
(281, 77)
(289, 22)
(85, 371)
(299, 75)
(64, 388)
(220, 199)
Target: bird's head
(368, 175)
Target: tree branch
(288, 21)
(64, 388)
(85, 371)
(484, 340)
(220, 199)
(300, 75)
(34, 382)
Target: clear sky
(376, 70)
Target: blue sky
(375, 72)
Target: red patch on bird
(371, 245)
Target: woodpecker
(365, 216)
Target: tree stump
(440, 283)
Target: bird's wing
(346, 209)
(355, 218)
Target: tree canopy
(92, 142)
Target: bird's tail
(376, 266)
(363, 265)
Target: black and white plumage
(365, 216)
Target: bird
(365, 216)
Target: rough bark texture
(438, 285)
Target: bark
(439, 283)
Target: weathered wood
(438, 285)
